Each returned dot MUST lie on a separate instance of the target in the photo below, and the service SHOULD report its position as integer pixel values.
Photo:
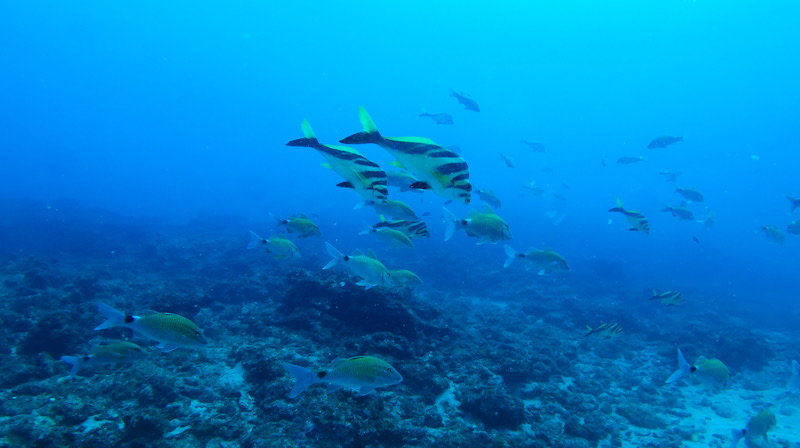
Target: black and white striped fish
(412, 228)
(360, 173)
(440, 170)
(607, 330)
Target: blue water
(160, 112)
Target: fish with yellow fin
(709, 372)
(438, 169)
(486, 226)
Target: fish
(545, 261)
(120, 352)
(664, 141)
(758, 426)
(371, 271)
(442, 171)
(361, 174)
(404, 277)
(774, 234)
(412, 228)
(710, 220)
(170, 330)
(669, 298)
(278, 246)
(637, 220)
(392, 208)
(682, 213)
(534, 146)
(604, 331)
(508, 161)
(301, 225)
(695, 239)
(794, 383)
(489, 197)
(486, 226)
(794, 204)
(670, 176)
(394, 238)
(363, 373)
(537, 191)
(440, 118)
(709, 372)
(629, 160)
(793, 228)
(402, 180)
(466, 100)
(690, 194)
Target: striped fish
(638, 221)
(360, 174)
(604, 331)
(412, 228)
(438, 169)
(668, 298)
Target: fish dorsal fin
(336, 362)
(700, 359)
(487, 209)
(619, 203)
(358, 252)
(473, 213)
(303, 215)
(655, 294)
(283, 235)
(371, 254)
(420, 140)
(382, 218)
(366, 121)
(147, 313)
(307, 131)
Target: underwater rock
(494, 407)
(648, 420)
(742, 349)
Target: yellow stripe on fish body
(442, 171)
(360, 173)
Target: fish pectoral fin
(333, 387)
(420, 186)
(345, 185)
(365, 390)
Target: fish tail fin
(255, 240)
(684, 369)
(736, 436)
(75, 362)
(309, 139)
(369, 133)
(450, 220)
(795, 203)
(113, 317)
(333, 252)
(303, 377)
(512, 254)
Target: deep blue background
(179, 109)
